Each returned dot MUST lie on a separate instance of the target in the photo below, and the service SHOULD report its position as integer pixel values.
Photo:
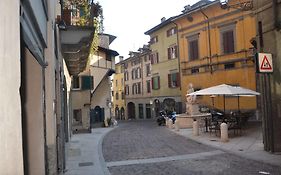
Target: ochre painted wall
(242, 74)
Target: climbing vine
(90, 14)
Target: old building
(102, 66)
(35, 121)
(118, 91)
(268, 25)
(165, 72)
(215, 48)
(137, 77)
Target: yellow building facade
(119, 107)
(165, 72)
(215, 48)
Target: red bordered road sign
(265, 62)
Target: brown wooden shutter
(169, 53)
(225, 46)
(157, 57)
(152, 59)
(230, 42)
(178, 80)
(176, 51)
(169, 81)
(196, 50)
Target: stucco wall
(102, 93)
(34, 124)
(11, 161)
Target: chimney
(163, 19)
(121, 58)
(186, 8)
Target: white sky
(129, 19)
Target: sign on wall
(265, 63)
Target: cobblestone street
(142, 147)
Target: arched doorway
(122, 113)
(131, 110)
(117, 113)
(157, 107)
(169, 104)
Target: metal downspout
(209, 40)
(178, 51)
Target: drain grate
(213, 140)
(86, 164)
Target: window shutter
(176, 51)
(169, 81)
(151, 59)
(169, 53)
(196, 50)
(157, 57)
(225, 47)
(158, 82)
(231, 41)
(86, 82)
(178, 80)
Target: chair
(214, 125)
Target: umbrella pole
(238, 104)
(224, 103)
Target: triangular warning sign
(265, 65)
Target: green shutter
(87, 82)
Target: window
(156, 82)
(75, 82)
(133, 74)
(122, 81)
(136, 88)
(148, 71)
(77, 117)
(154, 58)
(122, 95)
(139, 88)
(172, 52)
(148, 88)
(154, 40)
(127, 90)
(116, 82)
(126, 76)
(228, 42)
(194, 70)
(171, 31)
(193, 50)
(108, 57)
(116, 96)
(229, 66)
(173, 80)
(87, 82)
(140, 110)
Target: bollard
(224, 132)
(167, 121)
(195, 128)
(177, 127)
(170, 123)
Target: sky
(129, 19)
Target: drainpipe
(178, 50)
(209, 40)
(275, 14)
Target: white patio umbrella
(226, 90)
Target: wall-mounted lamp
(244, 6)
(62, 25)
